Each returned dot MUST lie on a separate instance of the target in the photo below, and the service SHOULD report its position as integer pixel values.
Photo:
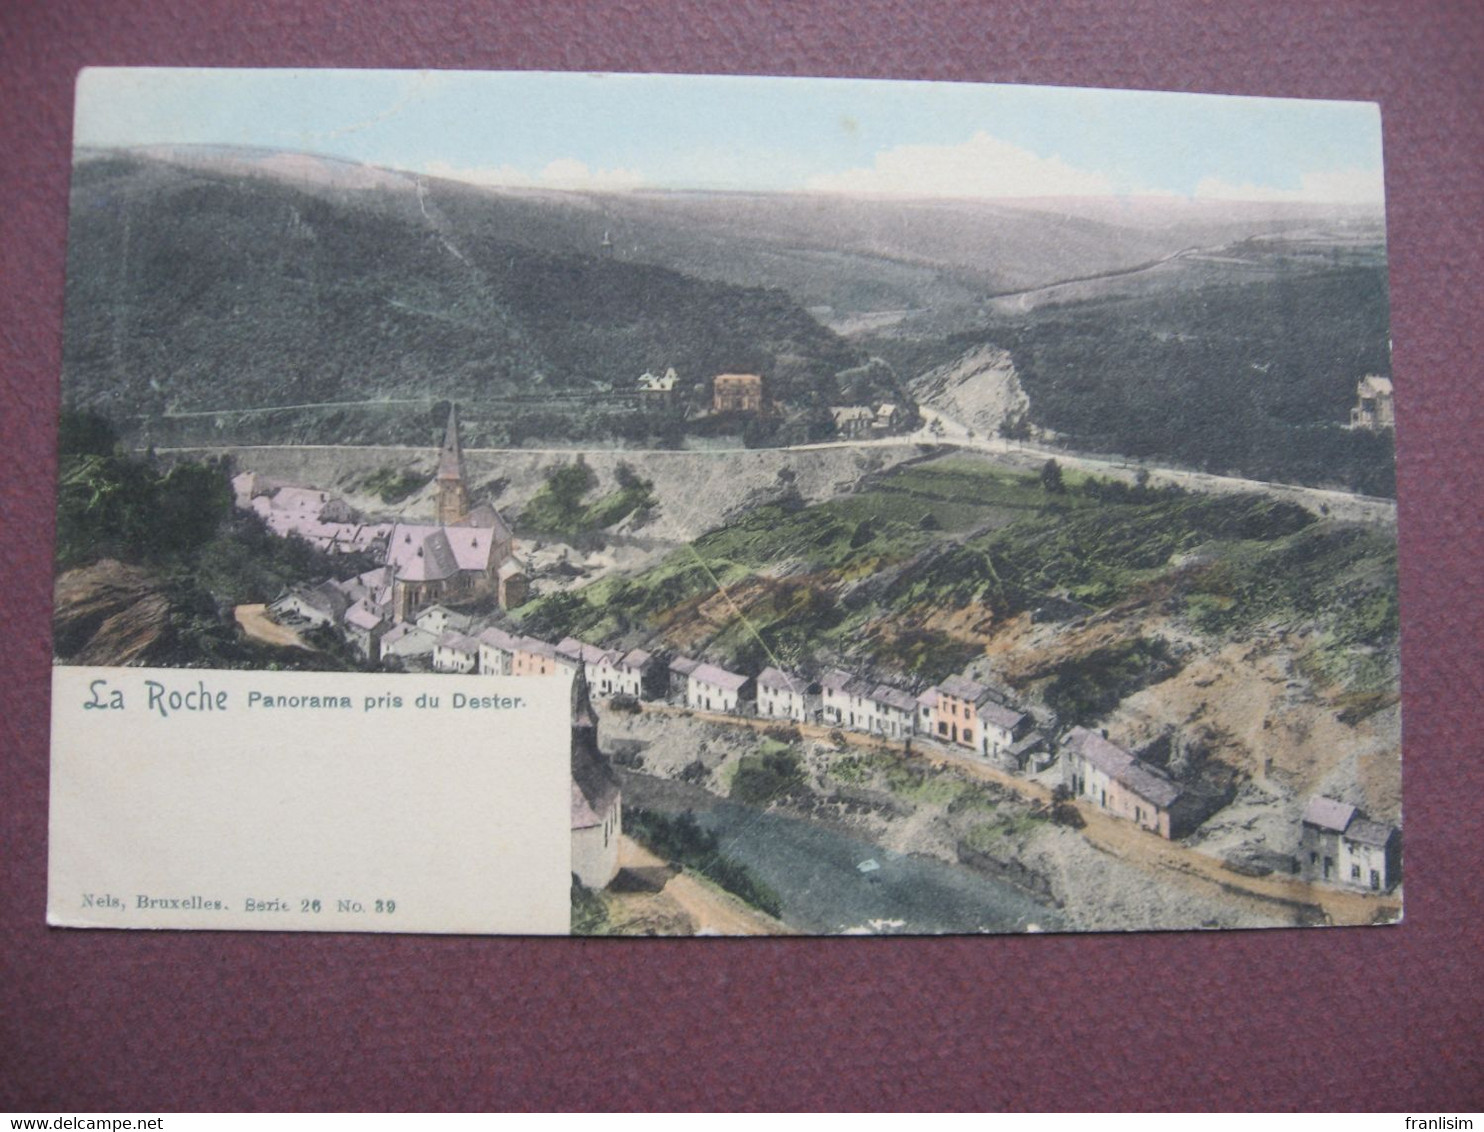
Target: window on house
(1354, 872)
(1375, 879)
(968, 735)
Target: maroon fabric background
(1353, 1018)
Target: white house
(633, 668)
(599, 665)
(456, 652)
(406, 641)
(497, 650)
(323, 604)
(781, 695)
(1000, 728)
(890, 712)
(927, 708)
(1107, 776)
(844, 700)
(1340, 845)
(712, 688)
(438, 620)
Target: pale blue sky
(672, 131)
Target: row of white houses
(959, 712)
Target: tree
(1051, 480)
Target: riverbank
(958, 813)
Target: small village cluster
(397, 612)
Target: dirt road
(711, 911)
(256, 623)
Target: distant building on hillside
(737, 393)
(1374, 409)
(658, 392)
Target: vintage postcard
(670, 505)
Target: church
(468, 551)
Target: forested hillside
(191, 290)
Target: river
(817, 872)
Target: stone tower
(453, 492)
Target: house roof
(1121, 766)
(574, 649)
(637, 658)
(1145, 782)
(894, 697)
(459, 642)
(771, 677)
(845, 683)
(1028, 744)
(718, 677)
(1373, 385)
(928, 697)
(536, 647)
(1000, 716)
(326, 597)
(498, 638)
(1369, 832)
(1108, 757)
(1327, 813)
(961, 687)
(363, 616)
(684, 665)
(406, 639)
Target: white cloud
(563, 173)
(1335, 186)
(983, 166)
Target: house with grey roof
(712, 688)
(1340, 845)
(782, 695)
(843, 699)
(1000, 728)
(680, 669)
(322, 604)
(955, 718)
(632, 672)
(1107, 776)
(365, 624)
(890, 712)
(497, 650)
(456, 652)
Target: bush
(765, 778)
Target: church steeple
(453, 493)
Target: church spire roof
(451, 457)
